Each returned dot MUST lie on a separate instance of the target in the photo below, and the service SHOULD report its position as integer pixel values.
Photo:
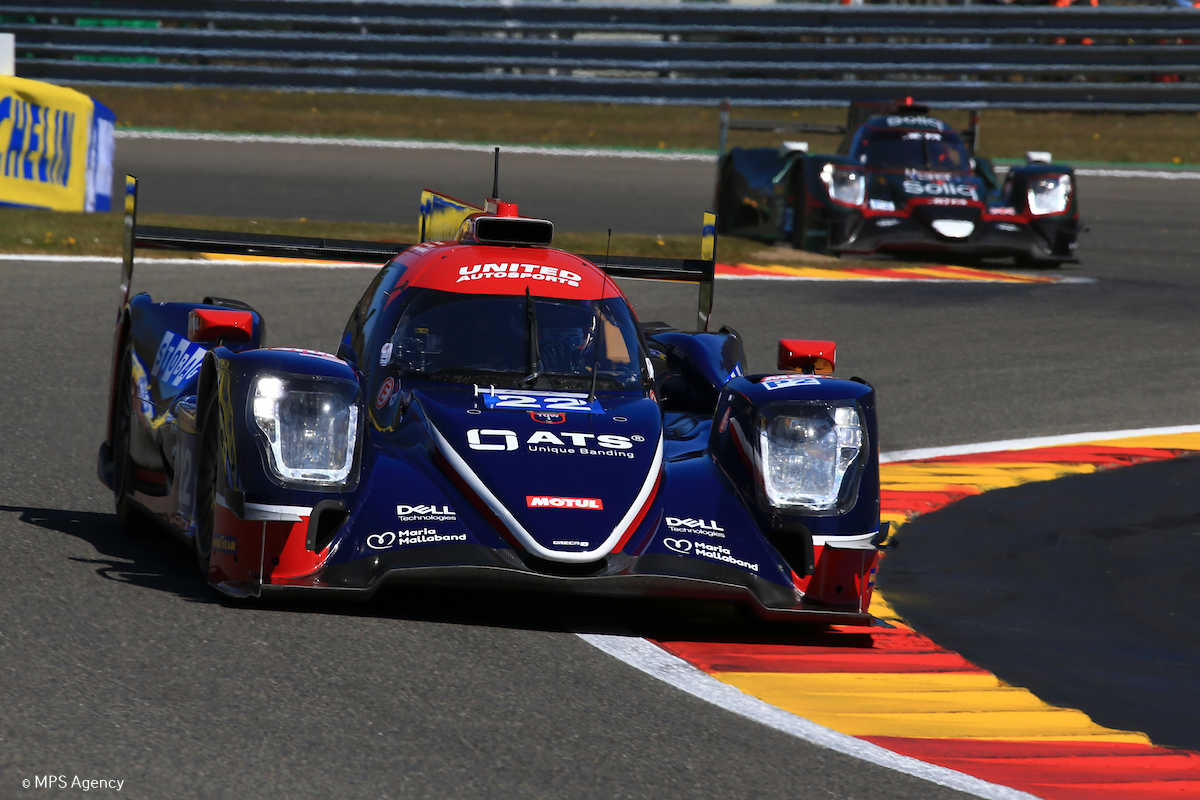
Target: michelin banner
(56, 147)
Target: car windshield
(485, 339)
(908, 148)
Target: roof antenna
(596, 324)
(496, 174)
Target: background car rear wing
(445, 214)
(857, 113)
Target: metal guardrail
(1132, 58)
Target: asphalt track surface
(119, 663)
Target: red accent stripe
(1062, 769)
(149, 476)
(841, 649)
(1067, 454)
(475, 500)
(915, 503)
(637, 522)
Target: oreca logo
(941, 189)
(492, 439)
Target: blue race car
(901, 181)
(494, 414)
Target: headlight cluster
(844, 184)
(1049, 194)
(811, 456)
(310, 428)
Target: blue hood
(566, 486)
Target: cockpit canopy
(920, 149)
(485, 339)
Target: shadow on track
(1083, 589)
(153, 562)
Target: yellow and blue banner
(56, 147)
(441, 215)
(708, 237)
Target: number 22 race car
(901, 181)
(493, 415)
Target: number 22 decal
(533, 402)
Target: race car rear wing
(249, 244)
(768, 126)
(701, 271)
(689, 270)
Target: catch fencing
(1122, 58)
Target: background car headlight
(310, 428)
(807, 453)
(1049, 194)
(844, 185)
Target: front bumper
(651, 576)
(1050, 240)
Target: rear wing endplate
(248, 244)
(688, 270)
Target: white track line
(188, 262)
(301, 264)
(415, 144)
(656, 662)
(578, 152)
(865, 279)
(1030, 443)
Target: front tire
(206, 493)
(122, 433)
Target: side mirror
(220, 324)
(807, 355)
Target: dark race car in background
(901, 181)
(494, 414)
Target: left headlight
(310, 428)
(811, 456)
(1049, 194)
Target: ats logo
(579, 503)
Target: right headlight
(1049, 194)
(310, 428)
(844, 184)
(811, 456)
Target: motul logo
(581, 503)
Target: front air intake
(513, 230)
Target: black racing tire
(1033, 262)
(128, 513)
(727, 207)
(206, 492)
(800, 223)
